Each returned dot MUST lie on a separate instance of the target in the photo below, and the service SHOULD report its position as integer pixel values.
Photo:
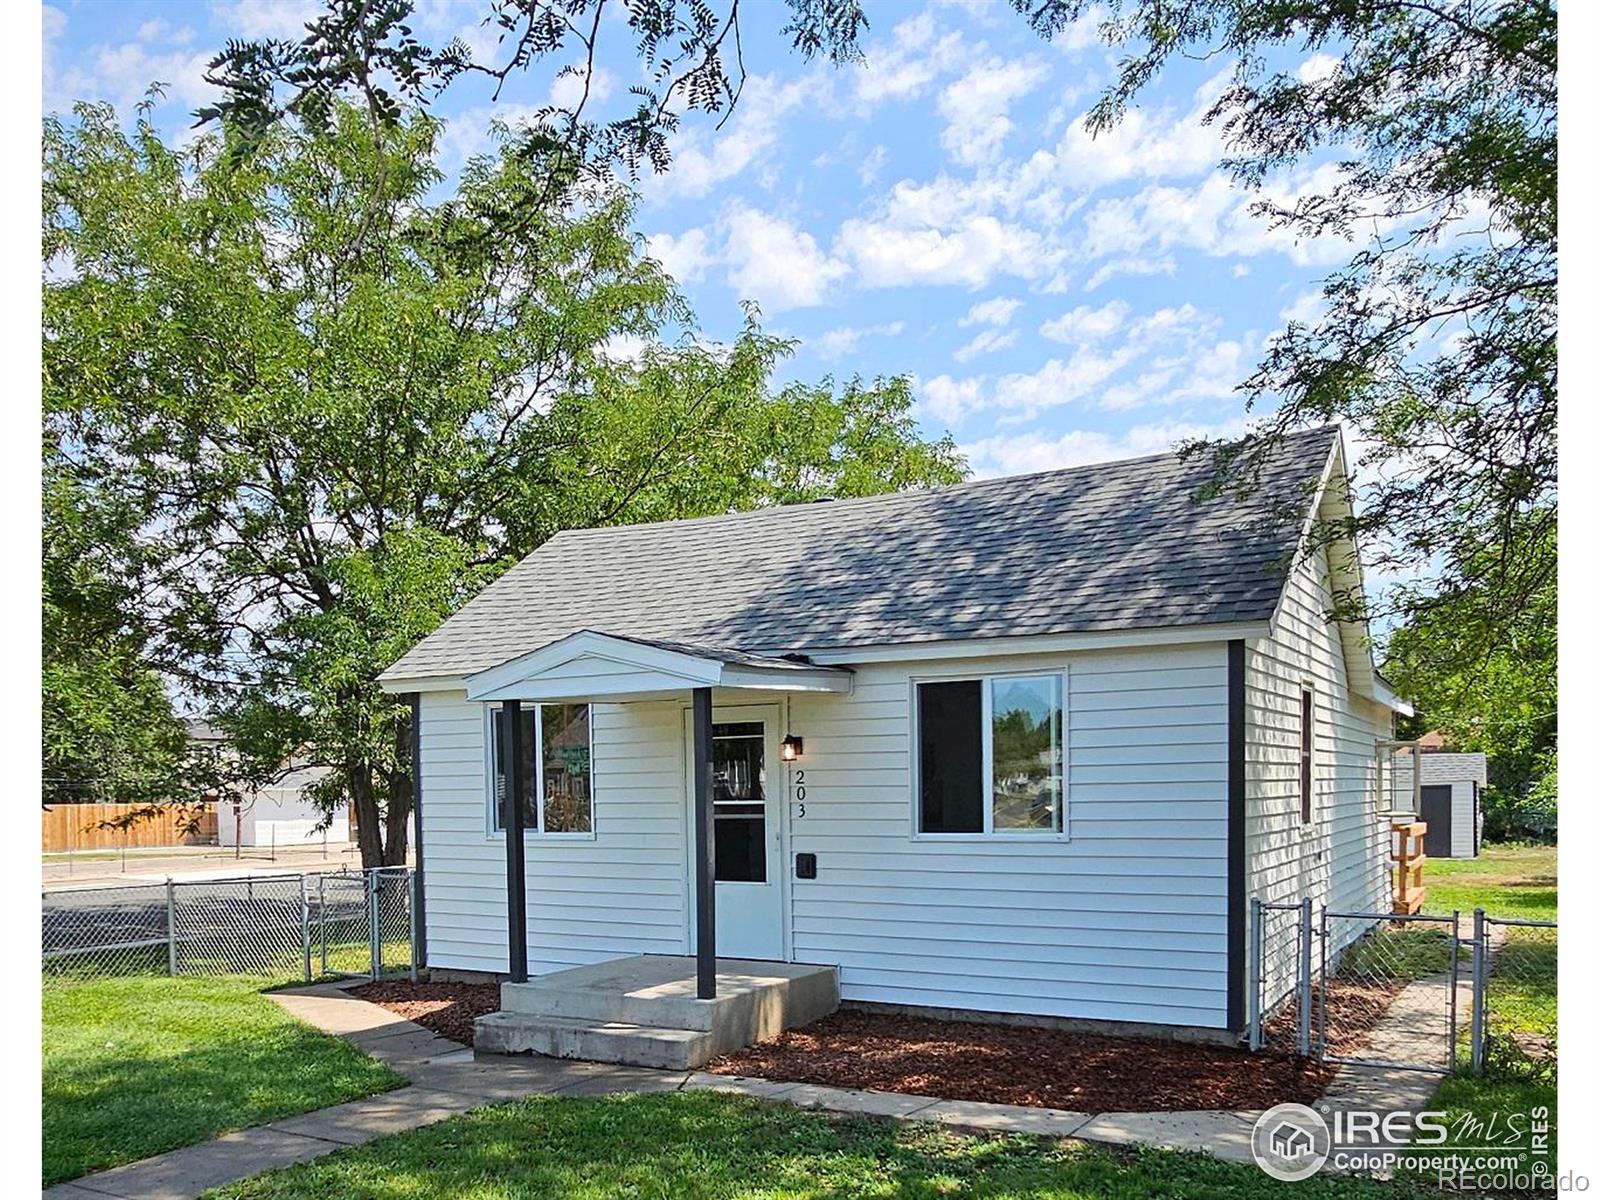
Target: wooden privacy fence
(83, 827)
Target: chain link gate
(1419, 991)
(272, 926)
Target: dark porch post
(516, 879)
(705, 855)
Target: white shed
(1451, 800)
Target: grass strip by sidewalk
(137, 1065)
(707, 1145)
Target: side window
(1308, 727)
(556, 765)
(990, 756)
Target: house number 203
(800, 792)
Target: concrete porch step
(595, 1041)
(644, 1010)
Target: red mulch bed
(446, 1008)
(1008, 1064)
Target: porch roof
(592, 665)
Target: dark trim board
(420, 913)
(1237, 902)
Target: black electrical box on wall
(805, 866)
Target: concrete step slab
(597, 1041)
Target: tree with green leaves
(337, 397)
(109, 732)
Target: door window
(739, 795)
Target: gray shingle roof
(1114, 546)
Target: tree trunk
(400, 790)
(369, 821)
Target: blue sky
(937, 211)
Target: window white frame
(986, 694)
(1306, 808)
(494, 832)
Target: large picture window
(990, 756)
(555, 764)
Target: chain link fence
(274, 926)
(1514, 1033)
(1417, 991)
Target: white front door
(746, 788)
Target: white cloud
(996, 311)
(977, 107)
(986, 342)
(836, 343)
(566, 90)
(872, 165)
(1014, 454)
(1318, 67)
(918, 53)
(1085, 324)
(1306, 308)
(1157, 144)
(265, 18)
(1134, 265)
(775, 263)
(1161, 346)
(704, 156)
(685, 257)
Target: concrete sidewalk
(447, 1079)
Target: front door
(746, 788)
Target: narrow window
(1307, 731)
(499, 749)
(950, 723)
(1025, 733)
(564, 750)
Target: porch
(645, 1010)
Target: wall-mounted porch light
(793, 747)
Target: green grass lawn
(1508, 881)
(701, 1144)
(137, 1065)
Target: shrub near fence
(274, 927)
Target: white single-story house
(1450, 800)
(1021, 746)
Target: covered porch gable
(608, 668)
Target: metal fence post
(411, 919)
(1455, 980)
(172, 933)
(1322, 1008)
(372, 923)
(1253, 1000)
(1480, 991)
(305, 927)
(1305, 978)
(322, 919)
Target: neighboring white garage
(282, 817)
(1452, 800)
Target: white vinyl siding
(620, 892)
(1124, 922)
(1340, 857)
